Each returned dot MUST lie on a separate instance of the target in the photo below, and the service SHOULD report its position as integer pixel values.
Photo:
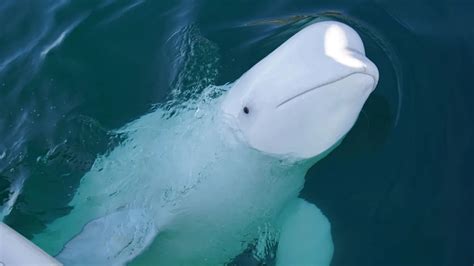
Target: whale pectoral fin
(110, 240)
(305, 236)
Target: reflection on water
(397, 191)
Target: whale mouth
(327, 84)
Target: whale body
(199, 184)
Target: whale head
(305, 96)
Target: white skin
(199, 187)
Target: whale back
(184, 180)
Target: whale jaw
(305, 96)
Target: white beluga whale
(199, 184)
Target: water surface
(398, 191)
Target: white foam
(15, 190)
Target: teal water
(399, 189)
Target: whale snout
(341, 56)
(344, 46)
(365, 81)
(305, 96)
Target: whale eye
(246, 110)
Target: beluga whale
(202, 182)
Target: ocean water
(399, 189)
